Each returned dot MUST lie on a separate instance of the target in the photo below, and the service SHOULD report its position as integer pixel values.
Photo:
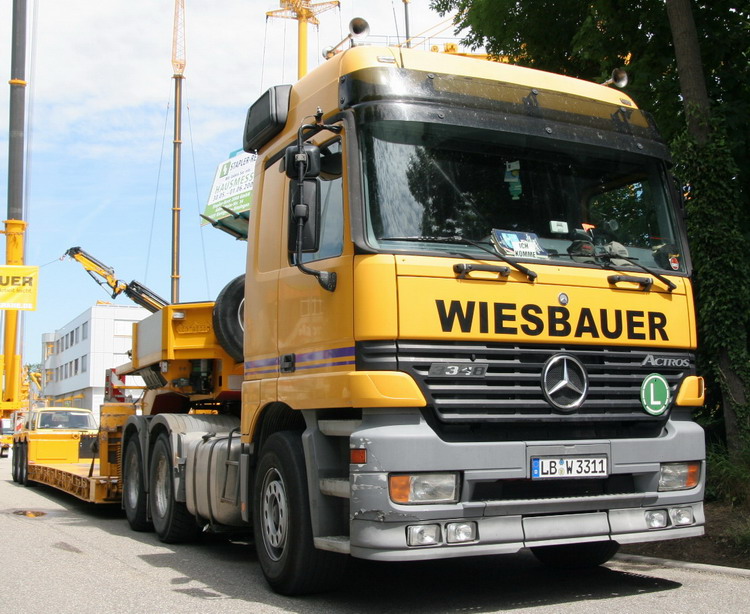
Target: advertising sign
(232, 187)
(18, 287)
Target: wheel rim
(161, 487)
(132, 482)
(274, 514)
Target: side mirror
(309, 158)
(305, 206)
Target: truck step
(338, 428)
(335, 487)
(334, 543)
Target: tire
(281, 522)
(134, 497)
(173, 522)
(23, 464)
(14, 463)
(576, 556)
(229, 318)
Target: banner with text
(18, 287)
(232, 187)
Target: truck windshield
(532, 199)
(66, 420)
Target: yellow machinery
(64, 448)
(135, 291)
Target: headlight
(679, 476)
(418, 488)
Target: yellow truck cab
(465, 327)
(51, 436)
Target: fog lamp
(679, 476)
(423, 535)
(460, 532)
(656, 519)
(681, 516)
(423, 488)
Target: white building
(77, 355)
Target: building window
(75, 367)
(85, 330)
(84, 364)
(78, 330)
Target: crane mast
(304, 12)
(178, 66)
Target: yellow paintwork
(422, 282)
(51, 445)
(692, 392)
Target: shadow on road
(217, 568)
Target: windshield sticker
(513, 179)
(558, 227)
(520, 244)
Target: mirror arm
(326, 279)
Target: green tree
(701, 105)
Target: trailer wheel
(24, 466)
(281, 522)
(14, 465)
(172, 520)
(134, 496)
(229, 318)
(576, 556)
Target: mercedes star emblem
(565, 382)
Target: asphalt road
(62, 556)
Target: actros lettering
(554, 321)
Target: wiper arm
(532, 275)
(609, 257)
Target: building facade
(76, 356)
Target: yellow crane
(304, 12)
(134, 290)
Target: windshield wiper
(634, 261)
(485, 246)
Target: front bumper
(401, 441)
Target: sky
(99, 136)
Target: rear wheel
(24, 466)
(173, 522)
(281, 522)
(576, 556)
(134, 497)
(14, 463)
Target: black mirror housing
(311, 155)
(310, 199)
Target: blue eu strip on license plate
(568, 467)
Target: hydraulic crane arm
(135, 291)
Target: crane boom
(135, 291)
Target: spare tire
(229, 318)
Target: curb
(649, 560)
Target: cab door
(315, 326)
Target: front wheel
(173, 522)
(576, 556)
(134, 498)
(281, 522)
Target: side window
(331, 187)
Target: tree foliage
(589, 39)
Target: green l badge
(655, 394)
